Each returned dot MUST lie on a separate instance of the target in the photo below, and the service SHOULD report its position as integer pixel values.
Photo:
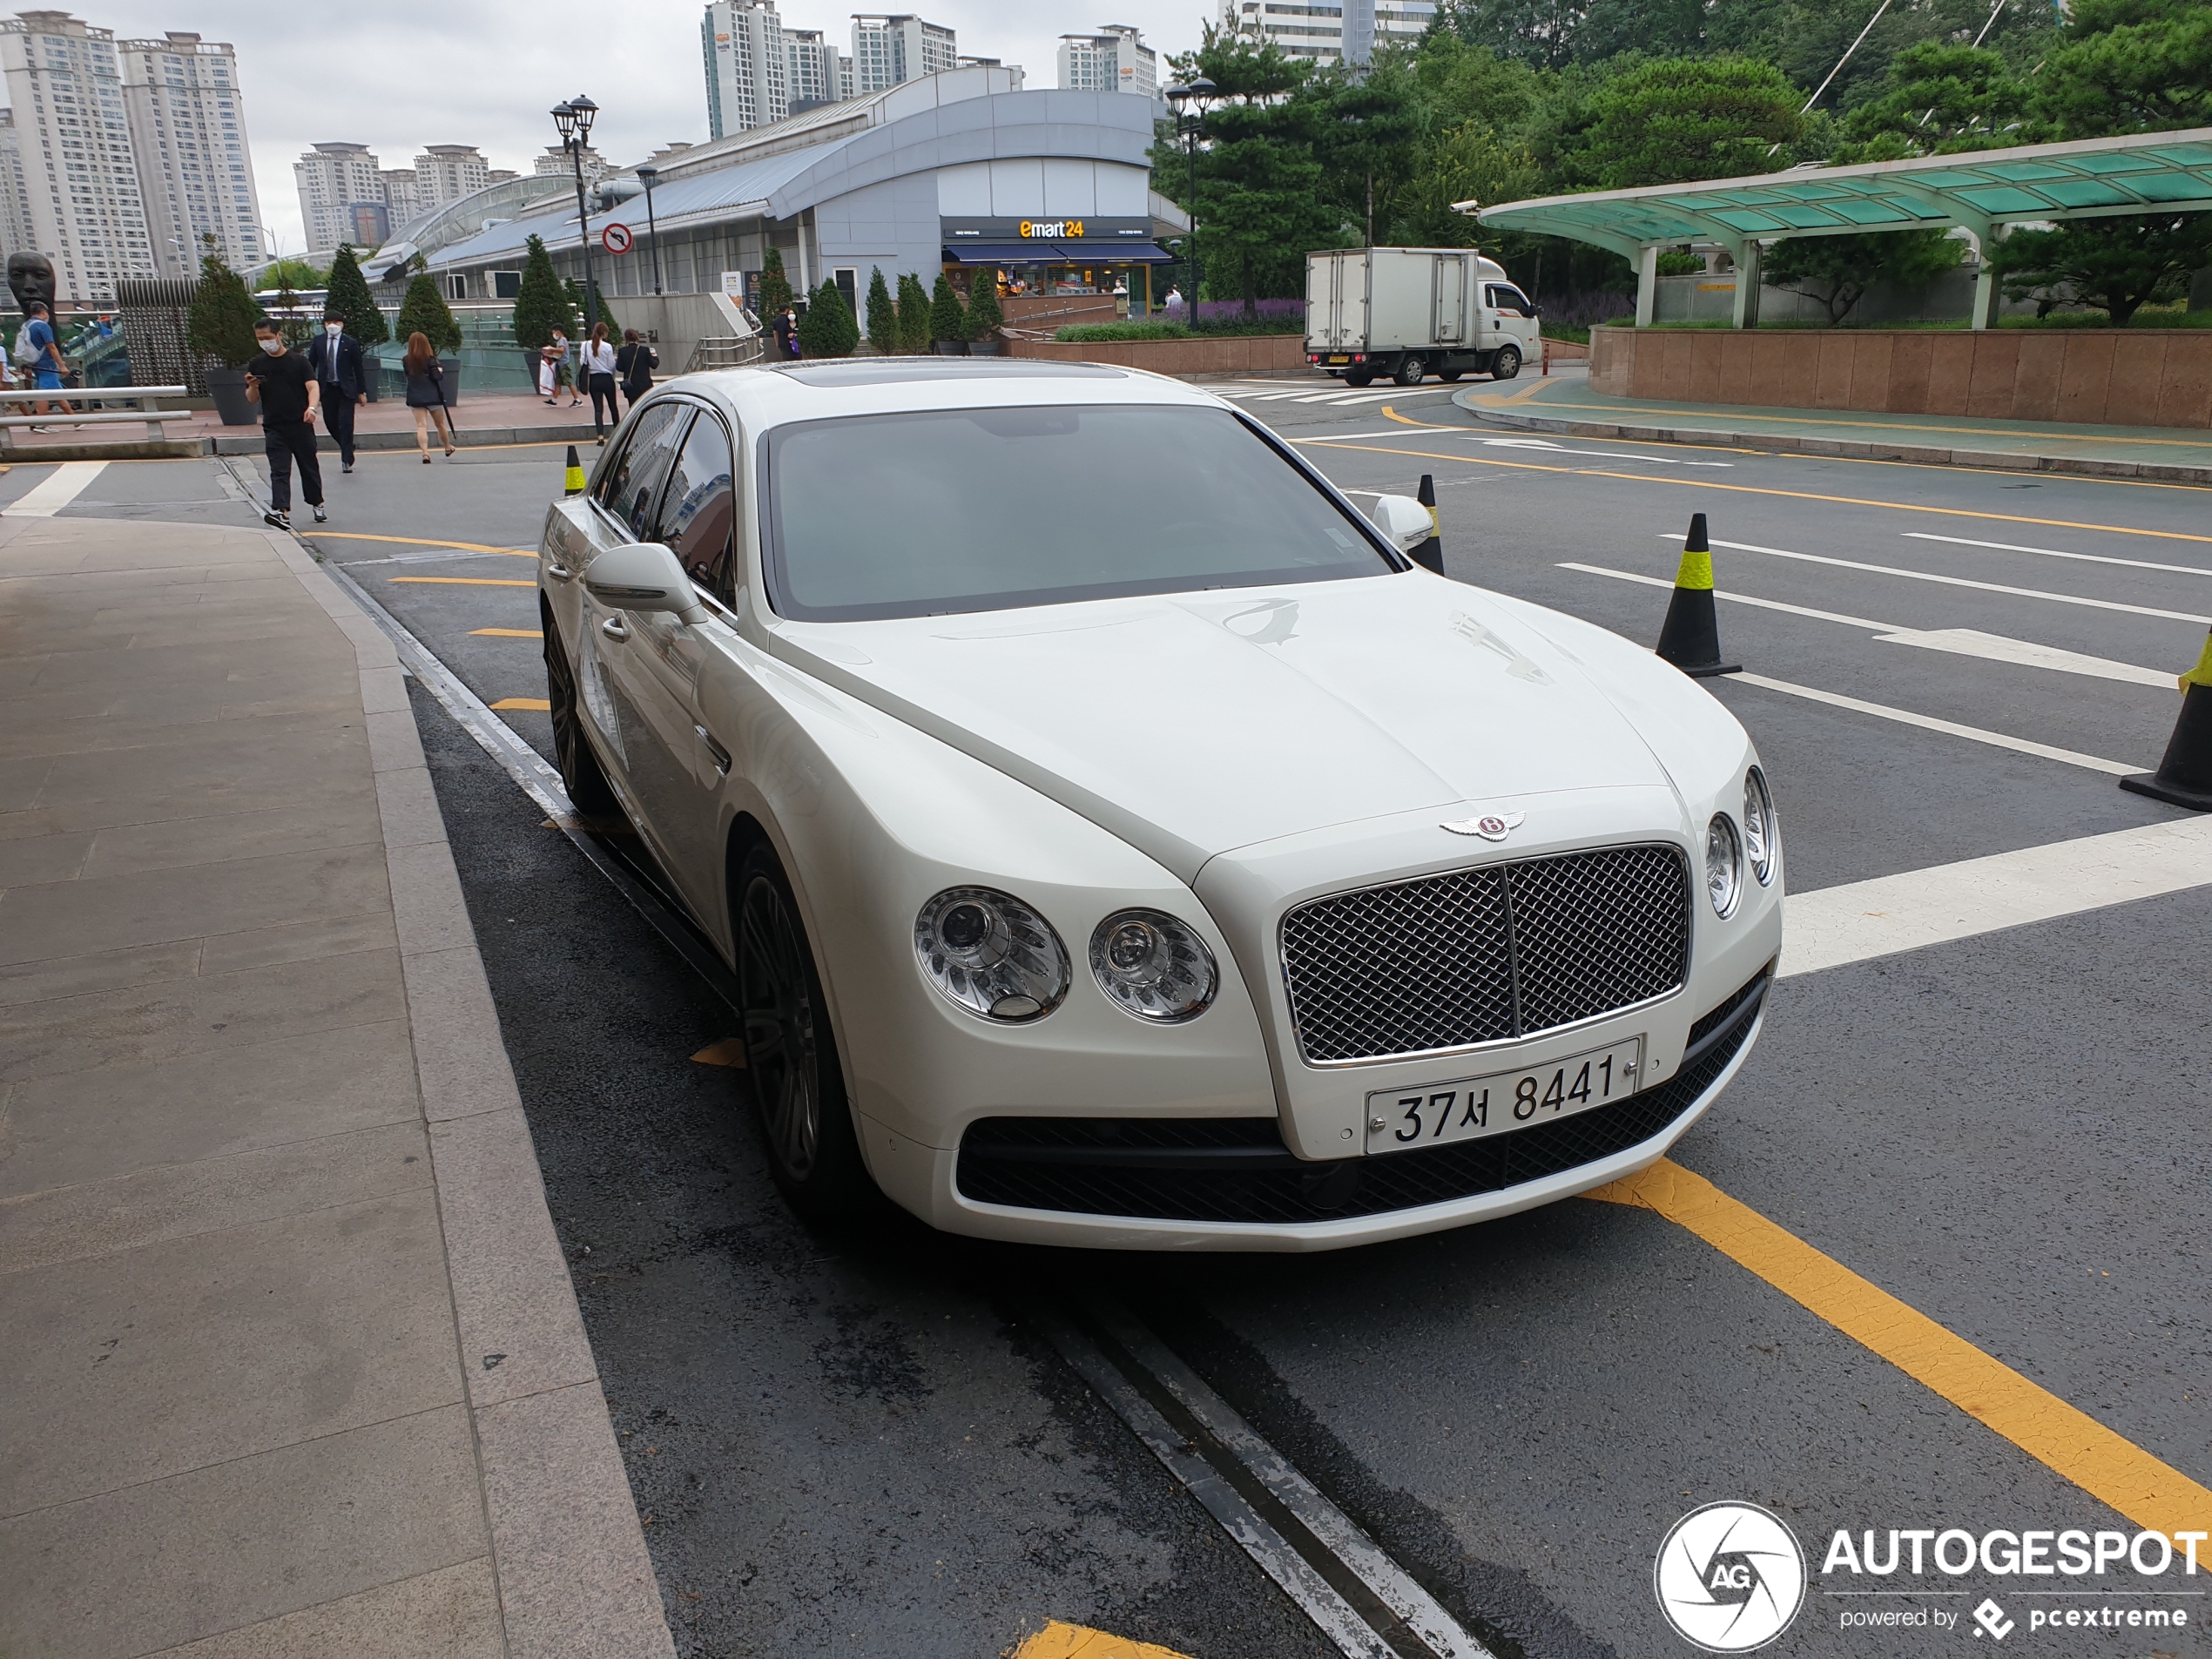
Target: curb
(1783, 444)
(569, 1555)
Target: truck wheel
(1447, 375)
(1505, 364)
(1409, 372)
(1359, 377)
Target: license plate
(1340, 360)
(1467, 1108)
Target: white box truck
(1405, 312)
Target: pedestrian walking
(634, 367)
(562, 354)
(289, 395)
(426, 396)
(41, 358)
(597, 372)
(342, 378)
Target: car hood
(1193, 724)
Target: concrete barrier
(2093, 376)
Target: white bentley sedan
(1118, 840)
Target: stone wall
(2097, 376)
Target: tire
(1363, 378)
(1506, 363)
(791, 1070)
(1409, 371)
(1449, 375)
(581, 775)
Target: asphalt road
(856, 1443)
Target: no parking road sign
(617, 238)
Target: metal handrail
(727, 351)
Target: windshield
(944, 510)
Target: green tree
(775, 287)
(883, 316)
(1364, 128)
(1259, 207)
(1469, 163)
(350, 298)
(1685, 118)
(1940, 99)
(289, 274)
(985, 316)
(2120, 264)
(425, 312)
(575, 297)
(948, 317)
(914, 316)
(540, 304)
(219, 323)
(827, 329)
(1838, 270)
(2130, 66)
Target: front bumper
(1241, 1193)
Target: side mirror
(642, 576)
(1403, 521)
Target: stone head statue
(31, 276)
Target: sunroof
(884, 371)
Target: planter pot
(453, 379)
(992, 347)
(227, 388)
(951, 349)
(372, 377)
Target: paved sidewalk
(1567, 404)
(290, 1360)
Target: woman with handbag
(634, 367)
(426, 395)
(597, 371)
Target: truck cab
(1408, 313)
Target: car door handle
(721, 755)
(560, 572)
(613, 628)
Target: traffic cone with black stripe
(2184, 778)
(573, 484)
(1690, 637)
(1430, 554)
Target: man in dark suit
(335, 361)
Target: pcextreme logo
(1729, 1577)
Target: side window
(1508, 299)
(699, 512)
(629, 487)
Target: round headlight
(1760, 839)
(991, 955)
(1723, 864)
(1153, 965)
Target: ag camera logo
(1729, 1577)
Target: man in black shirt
(284, 388)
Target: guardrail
(143, 396)
(729, 351)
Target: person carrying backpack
(39, 353)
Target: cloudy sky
(399, 74)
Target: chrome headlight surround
(1762, 836)
(1723, 864)
(991, 956)
(1153, 965)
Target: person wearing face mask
(289, 395)
(336, 360)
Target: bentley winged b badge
(1491, 826)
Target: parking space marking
(2109, 1467)
(464, 581)
(541, 704)
(1960, 642)
(1058, 1641)
(1834, 926)
(1952, 728)
(55, 491)
(423, 541)
(506, 633)
(1952, 580)
(2058, 553)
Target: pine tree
(350, 298)
(540, 305)
(425, 312)
(914, 316)
(984, 315)
(775, 287)
(883, 316)
(947, 319)
(584, 312)
(827, 329)
(220, 322)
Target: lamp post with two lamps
(573, 120)
(1189, 127)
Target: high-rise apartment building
(187, 123)
(402, 195)
(84, 209)
(555, 159)
(1115, 59)
(1352, 32)
(14, 190)
(334, 178)
(816, 72)
(748, 66)
(887, 49)
(445, 172)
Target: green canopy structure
(1981, 192)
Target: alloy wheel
(779, 1027)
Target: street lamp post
(649, 177)
(1189, 127)
(573, 120)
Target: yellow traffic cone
(2184, 778)
(1690, 637)
(573, 484)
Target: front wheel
(1409, 372)
(790, 1052)
(581, 774)
(1505, 364)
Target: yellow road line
(462, 581)
(2110, 1468)
(538, 702)
(1058, 1641)
(423, 541)
(506, 633)
(1755, 489)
